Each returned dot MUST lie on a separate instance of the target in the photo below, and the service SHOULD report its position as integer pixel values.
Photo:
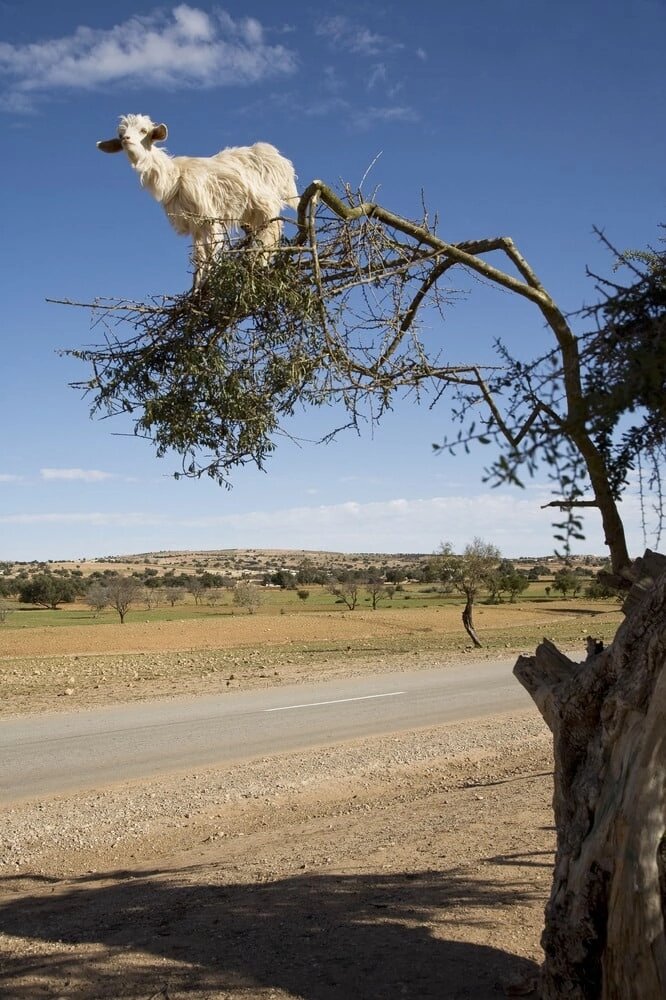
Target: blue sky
(529, 119)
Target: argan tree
(122, 592)
(47, 591)
(214, 378)
(247, 596)
(347, 590)
(468, 574)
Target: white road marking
(336, 701)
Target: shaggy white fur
(207, 197)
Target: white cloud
(364, 118)
(377, 76)
(342, 32)
(9, 477)
(80, 475)
(185, 47)
(509, 519)
(101, 519)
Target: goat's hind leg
(268, 239)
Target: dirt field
(415, 865)
(58, 668)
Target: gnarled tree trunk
(604, 934)
(468, 621)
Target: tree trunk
(604, 935)
(468, 621)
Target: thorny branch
(216, 375)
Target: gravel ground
(413, 865)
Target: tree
(565, 580)
(122, 592)
(599, 590)
(515, 583)
(196, 588)
(217, 377)
(247, 596)
(346, 589)
(468, 574)
(495, 585)
(47, 591)
(174, 595)
(154, 595)
(214, 595)
(97, 597)
(377, 590)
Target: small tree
(123, 591)
(347, 591)
(468, 574)
(496, 585)
(247, 596)
(174, 595)
(196, 588)
(377, 590)
(515, 583)
(97, 597)
(566, 581)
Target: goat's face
(136, 135)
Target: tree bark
(604, 935)
(468, 622)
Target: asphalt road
(48, 754)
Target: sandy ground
(415, 865)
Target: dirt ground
(415, 865)
(64, 667)
(411, 866)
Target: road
(48, 754)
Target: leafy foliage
(214, 376)
(47, 591)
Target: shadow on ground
(316, 937)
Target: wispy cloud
(342, 32)
(77, 475)
(184, 47)
(97, 519)
(365, 118)
(378, 76)
(511, 520)
(9, 477)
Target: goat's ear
(160, 132)
(110, 146)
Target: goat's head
(136, 135)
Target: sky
(514, 117)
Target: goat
(242, 187)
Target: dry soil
(415, 865)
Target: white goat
(243, 187)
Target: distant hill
(257, 562)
